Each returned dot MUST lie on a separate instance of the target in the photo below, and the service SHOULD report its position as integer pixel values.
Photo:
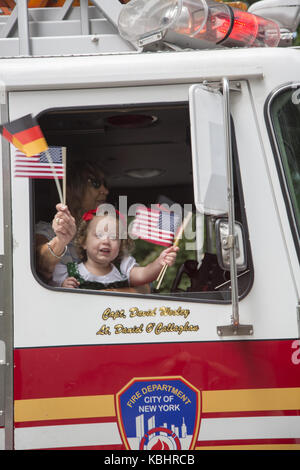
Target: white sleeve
(127, 264)
(60, 273)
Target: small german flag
(25, 134)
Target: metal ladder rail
(21, 16)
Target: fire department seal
(160, 413)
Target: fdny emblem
(160, 413)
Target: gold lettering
(172, 328)
(108, 313)
(161, 387)
(153, 327)
(133, 399)
(128, 330)
(179, 312)
(135, 312)
(150, 327)
(104, 330)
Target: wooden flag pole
(176, 241)
(55, 175)
(161, 275)
(64, 159)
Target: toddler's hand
(70, 283)
(168, 256)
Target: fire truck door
(79, 348)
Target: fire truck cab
(211, 359)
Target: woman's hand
(64, 225)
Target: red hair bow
(89, 215)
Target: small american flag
(38, 165)
(155, 225)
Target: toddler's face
(102, 243)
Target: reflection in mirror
(223, 248)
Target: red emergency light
(146, 21)
(233, 27)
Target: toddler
(106, 262)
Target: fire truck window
(285, 115)
(146, 156)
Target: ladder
(90, 28)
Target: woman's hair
(126, 245)
(78, 173)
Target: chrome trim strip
(6, 324)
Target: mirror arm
(235, 328)
(231, 213)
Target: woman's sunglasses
(97, 183)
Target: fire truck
(190, 101)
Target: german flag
(25, 134)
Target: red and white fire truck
(194, 102)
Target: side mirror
(208, 150)
(222, 247)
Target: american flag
(38, 165)
(155, 225)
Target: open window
(146, 154)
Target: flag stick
(64, 159)
(161, 275)
(54, 174)
(176, 241)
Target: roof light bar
(147, 21)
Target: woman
(86, 189)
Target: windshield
(285, 116)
